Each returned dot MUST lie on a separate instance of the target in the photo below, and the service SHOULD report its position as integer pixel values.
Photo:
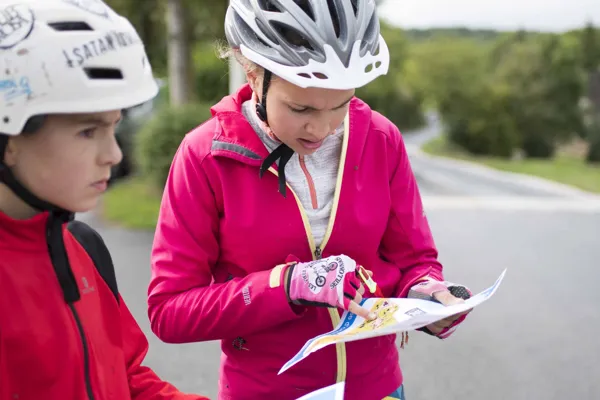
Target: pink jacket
(223, 234)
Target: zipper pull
(318, 253)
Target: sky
(542, 15)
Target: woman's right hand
(329, 282)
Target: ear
(11, 152)
(254, 80)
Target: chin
(303, 151)
(82, 206)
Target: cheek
(338, 117)
(53, 170)
(287, 124)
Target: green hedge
(489, 128)
(593, 135)
(159, 139)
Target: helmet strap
(282, 153)
(261, 108)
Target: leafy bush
(159, 139)
(403, 109)
(211, 74)
(489, 128)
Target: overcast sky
(545, 15)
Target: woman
(292, 180)
(65, 332)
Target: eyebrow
(93, 120)
(315, 109)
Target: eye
(88, 133)
(298, 110)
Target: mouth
(311, 145)
(101, 185)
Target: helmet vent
(103, 73)
(291, 35)
(70, 26)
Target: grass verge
(565, 169)
(132, 203)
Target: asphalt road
(535, 339)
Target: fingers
(433, 328)
(438, 327)
(355, 295)
(360, 311)
(358, 298)
(441, 325)
(361, 289)
(446, 298)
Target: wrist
(287, 275)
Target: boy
(67, 68)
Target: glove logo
(315, 275)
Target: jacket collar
(29, 234)
(236, 137)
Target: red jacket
(41, 348)
(222, 231)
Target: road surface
(536, 339)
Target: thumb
(446, 298)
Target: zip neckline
(317, 251)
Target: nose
(111, 153)
(319, 127)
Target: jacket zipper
(318, 250)
(69, 287)
(318, 253)
(86, 356)
(311, 184)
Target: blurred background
(499, 105)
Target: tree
(179, 54)
(590, 48)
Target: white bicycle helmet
(68, 56)
(333, 44)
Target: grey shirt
(321, 167)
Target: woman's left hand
(447, 299)
(447, 294)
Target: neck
(13, 206)
(263, 124)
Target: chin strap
(283, 153)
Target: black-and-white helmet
(68, 56)
(333, 44)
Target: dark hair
(32, 125)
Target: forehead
(101, 118)
(318, 98)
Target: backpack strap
(94, 245)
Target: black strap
(93, 243)
(59, 258)
(7, 177)
(282, 153)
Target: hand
(330, 282)
(447, 294)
